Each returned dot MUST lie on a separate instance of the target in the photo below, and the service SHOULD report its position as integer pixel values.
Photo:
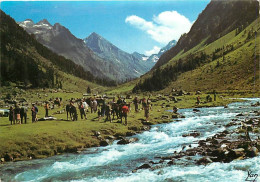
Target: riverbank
(47, 138)
(239, 141)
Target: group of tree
(161, 78)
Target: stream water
(116, 162)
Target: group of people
(146, 106)
(18, 115)
(101, 107)
(108, 109)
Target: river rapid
(116, 162)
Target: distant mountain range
(60, 40)
(155, 57)
(127, 65)
(94, 53)
(27, 63)
(150, 61)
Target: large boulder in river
(144, 166)
(130, 133)
(239, 152)
(127, 141)
(8, 157)
(104, 143)
(230, 156)
(204, 161)
(252, 152)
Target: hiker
(143, 103)
(198, 100)
(108, 113)
(23, 113)
(95, 105)
(207, 98)
(85, 105)
(120, 104)
(68, 111)
(34, 113)
(215, 95)
(57, 101)
(91, 105)
(174, 109)
(17, 116)
(119, 101)
(99, 114)
(115, 110)
(149, 103)
(124, 112)
(73, 112)
(135, 101)
(46, 107)
(113, 107)
(82, 110)
(11, 115)
(103, 107)
(146, 111)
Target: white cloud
(155, 50)
(164, 27)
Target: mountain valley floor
(53, 137)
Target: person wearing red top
(125, 110)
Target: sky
(141, 26)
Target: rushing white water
(116, 162)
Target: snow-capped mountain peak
(44, 22)
(26, 23)
(155, 57)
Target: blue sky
(142, 26)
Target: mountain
(218, 18)
(155, 57)
(61, 41)
(218, 53)
(26, 62)
(140, 56)
(128, 65)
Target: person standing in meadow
(11, 115)
(17, 115)
(125, 111)
(46, 107)
(34, 113)
(82, 111)
(146, 111)
(23, 113)
(95, 105)
(136, 101)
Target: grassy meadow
(48, 138)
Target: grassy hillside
(229, 63)
(237, 70)
(218, 19)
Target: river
(116, 162)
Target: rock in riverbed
(104, 143)
(144, 166)
(127, 141)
